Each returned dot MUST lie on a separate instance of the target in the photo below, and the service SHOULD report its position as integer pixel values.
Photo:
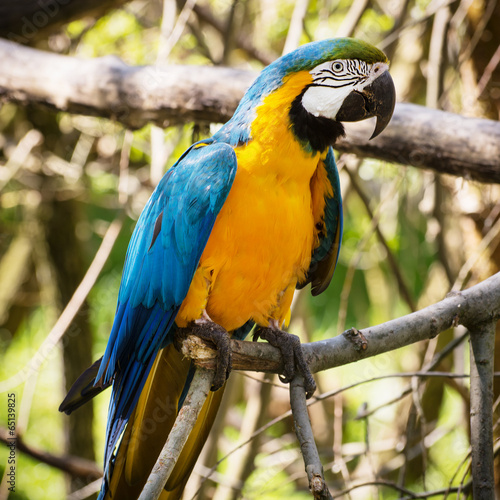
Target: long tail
(83, 389)
(149, 426)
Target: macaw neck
(272, 147)
(277, 134)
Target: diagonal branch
(391, 259)
(75, 466)
(478, 304)
(205, 14)
(70, 311)
(196, 396)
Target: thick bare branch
(478, 304)
(109, 88)
(445, 142)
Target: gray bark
(482, 351)
(476, 305)
(109, 88)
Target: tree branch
(205, 14)
(75, 466)
(482, 350)
(420, 137)
(70, 311)
(305, 436)
(196, 396)
(478, 304)
(109, 88)
(26, 21)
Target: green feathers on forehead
(351, 48)
(311, 55)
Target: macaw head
(325, 83)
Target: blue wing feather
(162, 257)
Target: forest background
(72, 187)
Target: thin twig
(305, 436)
(488, 71)
(399, 18)
(206, 15)
(393, 400)
(71, 309)
(390, 484)
(75, 466)
(338, 438)
(18, 158)
(435, 69)
(351, 19)
(263, 381)
(460, 465)
(196, 396)
(87, 491)
(394, 35)
(296, 26)
(467, 52)
(391, 260)
(241, 466)
(485, 248)
(354, 262)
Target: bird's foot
(292, 354)
(206, 329)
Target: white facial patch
(333, 81)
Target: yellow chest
(263, 237)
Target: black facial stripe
(352, 69)
(318, 131)
(317, 84)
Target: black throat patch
(318, 131)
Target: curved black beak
(377, 99)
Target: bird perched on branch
(234, 227)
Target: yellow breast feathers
(263, 237)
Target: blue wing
(325, 255)
(162, 256)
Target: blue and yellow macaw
(234, 227)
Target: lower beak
(377, 99)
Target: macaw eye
(337, 66)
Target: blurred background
(411, 235)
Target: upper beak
(377, 99)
